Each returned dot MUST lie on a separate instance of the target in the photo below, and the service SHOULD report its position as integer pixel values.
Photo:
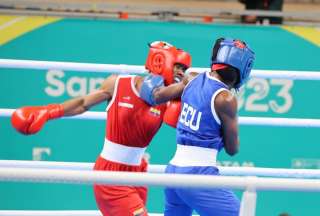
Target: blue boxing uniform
(199, 140)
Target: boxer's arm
(173, 91)
(79, 105)
(226, 108)
(30, 119)
(164, 94)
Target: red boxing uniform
(131, 125)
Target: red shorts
(114, 200)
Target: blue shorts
(206, 202)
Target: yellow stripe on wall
(308, 33)
(4, 19)
(12, 27)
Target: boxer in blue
(206, 124)
(206, 121)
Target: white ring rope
(225, 171)
(71, 66)
(82, 175)
(262, 121)
(138, 69)
(156, 179)
(56, 213)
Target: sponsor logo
(155, 111)
(127, 105)
(138, 212)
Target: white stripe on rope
(262, 121)
(71, 66)
(138, 69)
(54, 213)
(57, 213)
(156, 179)
(152, 168)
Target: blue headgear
(234, 53)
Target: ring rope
(54, 213)
(249, 183)
(155, 168)
(156, 179)
(261, 121)
(57, 213)
(72, 66)
(138, 69)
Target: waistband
(122, 154)
(194, 156)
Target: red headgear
(183, 58)
(162, 57)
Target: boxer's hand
(172, 113)
(150, 83)
(30, 120)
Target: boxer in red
(131, 124)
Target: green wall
(116, 42)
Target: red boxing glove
(172, 113)
(30, 120)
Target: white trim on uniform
(122, 154)
(127, 105)
(194, 156)
(116, 89)
(213, 110)
(133, 87)
(214, 78)
(114, 94)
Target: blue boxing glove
(149, 84)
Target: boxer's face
(178, 72)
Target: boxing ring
(249, 179)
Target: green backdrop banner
(125, 42)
